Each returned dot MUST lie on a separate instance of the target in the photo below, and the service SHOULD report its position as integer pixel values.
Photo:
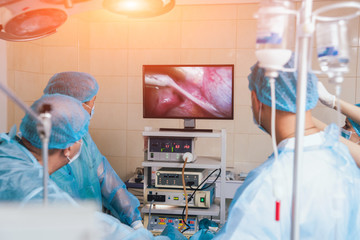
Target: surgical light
(5, 2)
(29, 20)
(139, 8)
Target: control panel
(172, 177)
(170, 149)
(157, 223)
(176, 197)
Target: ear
(255, 101)
(67, 151)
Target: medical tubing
(276, 186)
(273, 115)
(185, 195)
(338, 106)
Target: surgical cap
(69, 121)
(355, 125)
(285, 88)
(79, 85)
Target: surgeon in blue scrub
(21, 160)
(329, 184)
(21, 171)
(92, 177)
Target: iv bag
(274, 34)
(332, 46)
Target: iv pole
(303, 56)
(306, 30)
(43, 128)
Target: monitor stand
(189, 126)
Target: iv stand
(304, 43)
(44, 129)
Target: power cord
(149, 227)
(192, 195)
(185, 195)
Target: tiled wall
(114, 48)
(3, 81)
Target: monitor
(188, 91)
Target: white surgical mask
(92, 110)
(76, 156)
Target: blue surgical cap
(69, 120)
(79, 85)
(285, 88)
(355, 125)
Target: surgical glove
(325, 97)
(137, 224)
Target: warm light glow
(129, 5)
(139, 8)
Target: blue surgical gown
(91, 177)
(21, 181)
(21, 175)
(329, 194)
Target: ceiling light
(139, 8)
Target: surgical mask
(92, 110)
(76, 156)
(346, 133)
(259, 122)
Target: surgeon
(351, 129)
(21, 171)
(91, 177)
(21, 159)
(329, 184)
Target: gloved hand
(137, 224)
(325, 97)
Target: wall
(114, 48)
(3, 81)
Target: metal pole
(44, 129)
(304, 43)
(22, 105)
(44, 152)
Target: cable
(185, 195)
(192, 195)
(149, 227)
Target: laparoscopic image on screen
(188, 91)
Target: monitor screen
(188, 91)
